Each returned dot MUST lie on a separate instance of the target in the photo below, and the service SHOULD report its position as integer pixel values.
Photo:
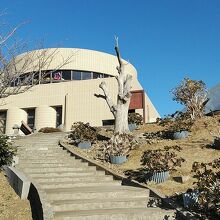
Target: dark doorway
(58, 115)
(3, 115)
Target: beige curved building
(67, 90)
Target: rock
(181, 179)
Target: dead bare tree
(13, 66)
(120, 111)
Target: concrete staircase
(77, 191)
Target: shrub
(182, 122)
(179, 121)
(135, 118)
(118, 145)
(7, 151)
(83, 132)
(208, 185)
(161, 159)
(193, 95)
(159, 135)
(49, 130)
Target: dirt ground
(11, 206)
(194, 148)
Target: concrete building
(68, 93)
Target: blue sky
(166, 40)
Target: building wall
(73, 59)
(76, 97)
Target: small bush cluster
(49, 130)
(135, 118)
(83, 132)
(159, 135)
(208, 185)
(118, 145)
(164, 159)
(179, 121)
(7, 151)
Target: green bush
(49, 130)
(7, 151)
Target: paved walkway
(77, 191)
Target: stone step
(75, 179)
(70, 184)
(115, 214)
(57, 169)
(67, 174)
(43, 155)
(89, 204)
(96, 192)
(51, 165)
(49, 157)
(40, 147)
(45, 160)
(40, 153)
(36, 151)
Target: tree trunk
(121, 118)
(120, 111)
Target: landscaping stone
(181, 179)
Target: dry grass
(194, 149)
(11, 206)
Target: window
(76, 75)
(35, 78)
(96, 75)
(31, 118)
(3, 115)
(45, 77)
(66, 75)
(131, 111)
(58, 115)
(108, 122)
(106, 76)
(86, 75)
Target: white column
(14, 116)
(45, 116)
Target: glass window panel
(96, 75)
(35, 78)
(45, 77)
(76, 75)
(66, 75)
(86, 75)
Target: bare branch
(118, 52)
(108, 99)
